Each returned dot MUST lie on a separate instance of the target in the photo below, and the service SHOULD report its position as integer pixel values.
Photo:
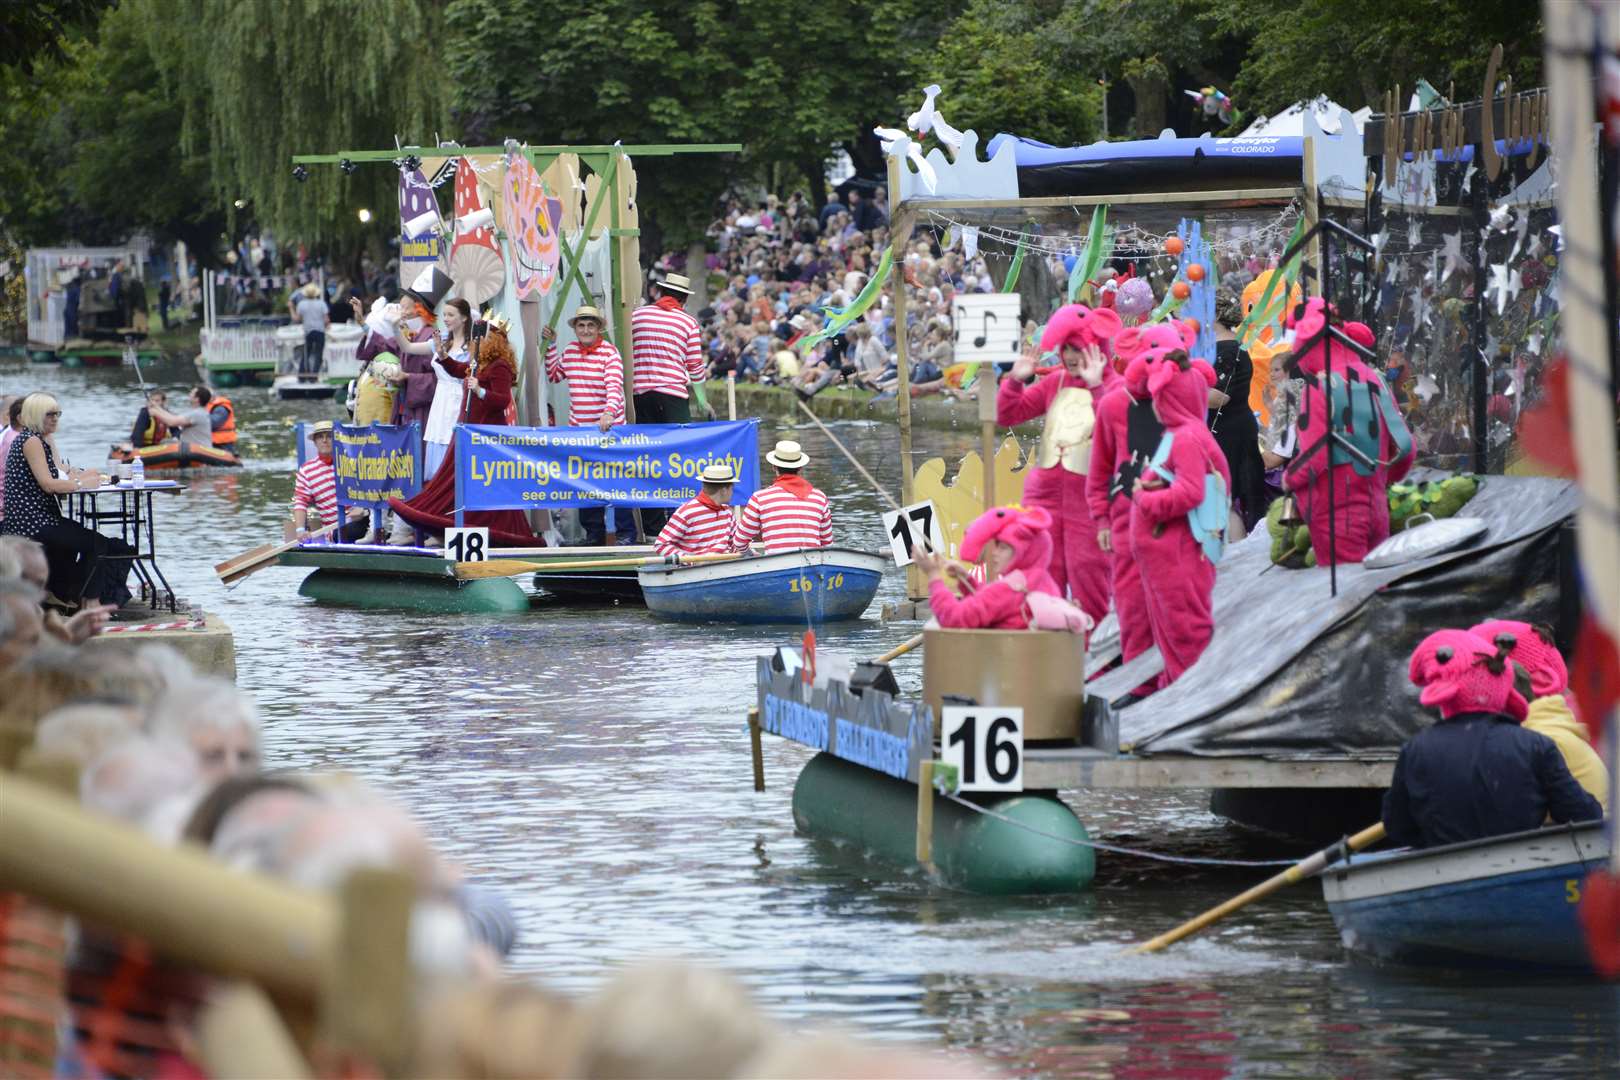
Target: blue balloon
(1069, 261)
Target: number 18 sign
(986, 744)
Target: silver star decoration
(1468, 178)
(1505, 284)
(1533, 342)
(1379, 239)
(1558, 232)
(1521, 229)
(1426, 387)
(1451, 251)
(1534, 250)
(1394, 276)
(1414, 233)
(1499, 217)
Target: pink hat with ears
(1461, 672)
(1540, 659)
(1078, 325)
(1136, 378)
(1180, 395)
(1154, 341)
(1027, 531)
(1360, 333)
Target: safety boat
(176, 455)
(810, 585)
(1505, 902)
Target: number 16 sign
(910, 527)
(986, 744)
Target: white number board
(910, 527)
(985, 744)
(467, 545)
(986, 327)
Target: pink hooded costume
(1178, 578)
(1359, 520)
(1126, 434)
(1057, 483)
(999, 605)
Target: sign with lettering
(376, 463)
(516, 468)
(870, 729)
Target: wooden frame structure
(610, 168)
(903, 222)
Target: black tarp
(1295, 673)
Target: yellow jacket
(1551, 717)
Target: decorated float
(73, 318)
(1271, 717)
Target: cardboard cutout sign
(532, 221)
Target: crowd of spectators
(178, 755)
(786, 267)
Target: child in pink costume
(1178, 578)
(1065, 396)
(1017, 545)
(1360, 517)
(1114, 466)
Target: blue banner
(376, 463)
(516, 468)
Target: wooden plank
(925, 813)
(757, 750)
(1068, 768)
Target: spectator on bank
(308, 309)
(85, 565)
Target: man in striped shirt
(315, 488)
(702, 525)
(666, 347)
(790, 513)
(594, 372)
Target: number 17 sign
(910, 527)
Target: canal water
(593, 764)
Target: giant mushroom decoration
(475, 261)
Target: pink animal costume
(1057, 483)
(1178, 578)
(1360, 495)
(999, 605)
(1126, 434)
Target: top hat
(430, 287)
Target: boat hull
(1504, 903)
(176, 455)
(813, 585)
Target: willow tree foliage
(263, 80)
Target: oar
(1307, 867)
(853, 460)
(494, 568)
(253, 560)
(898, 650)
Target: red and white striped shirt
(667, 348)
(316, 486)
(696, 528)
(595, 381)
(788, 514)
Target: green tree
(1355, 51)
(262, 80)
(38, 31)
(999, 69)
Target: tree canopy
(180, 117)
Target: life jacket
(224, 431)
(149, 430)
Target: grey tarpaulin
(1294, 673)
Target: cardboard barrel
(1043, 671)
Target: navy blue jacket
(1479, 775)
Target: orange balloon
(1194, 271)
(1193, 324)
(1181, 290)
(1174, 246)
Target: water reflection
(592, 763)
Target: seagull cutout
(928, 119)
(897, 144)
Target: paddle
(1307, 867)
(898, 650)
(253, 560)
(494, 568)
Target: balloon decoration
(1135, 298)
(1214, 103)
(1173, 246)
(1194, 272)
(475, 261)
(531, 221)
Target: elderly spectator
(34, 568)
(146, 782)
(214, 720)
(21, 624)
(81, 733)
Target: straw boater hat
(586, 311)
(719, 474)
(312, 290)
(322, 427)
(676, 283)
(788, 455)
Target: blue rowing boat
(1505, 902)
(813, 585)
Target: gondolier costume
(666, 351)
(702, 525)
(788, 514)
